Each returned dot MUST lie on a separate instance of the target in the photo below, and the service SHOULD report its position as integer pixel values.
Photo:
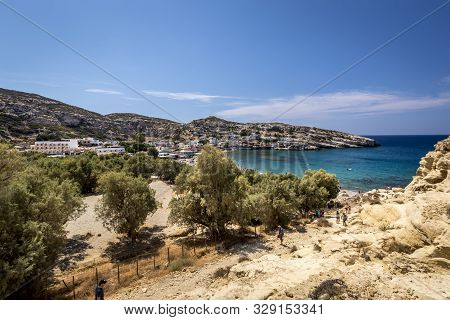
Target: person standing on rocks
(344, 218)
(280, 234)
(338, 216)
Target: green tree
(126, 203)
(10, 163)
(33, 212)
(141, 165)
(168, 169)
(316, 188)
(83, 170)
(210, 194)
(273, 199)
(152, 152)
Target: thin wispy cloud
(103, 91)
(358, 103)
(132, 99)
(186, 96)
(446, 80)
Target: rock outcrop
(416, 220)
(433, 170)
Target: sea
(392, 164)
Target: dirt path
(88, 238)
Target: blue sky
(247, 60)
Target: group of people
(345, 213)
(316, 215)
(320, 214)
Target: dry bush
(243, 258)
(322, 222)
(180, 264)
(222, 272)
(328, 289)
(393, 245)
(293, 249)
(384, 226)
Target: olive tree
(210, 195)
(33, 212)
(273, 200)
(126, 203)
(316, 188)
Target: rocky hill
(25, 117)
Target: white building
(63, 147)
(89, 142)
(186, 153)
(110, 150)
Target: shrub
(243, 258)
(222, 272)
(322, 222)
(316, 188)
(180, 263)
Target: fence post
(73, 286)
(154, 262)
(118, 273)
(168, 256)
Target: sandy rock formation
(433, 170)
(417, 217)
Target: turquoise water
(392, 164)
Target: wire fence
(80, 283)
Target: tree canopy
(33, 211)
(210, 194)
(216, 193)
(126, 203)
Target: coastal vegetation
(34, 209)
(215, 194)
(39, 195)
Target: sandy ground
(320, 262)
(88, 238)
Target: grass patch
(180, 264)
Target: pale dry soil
(333, 262)
(90, 238)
